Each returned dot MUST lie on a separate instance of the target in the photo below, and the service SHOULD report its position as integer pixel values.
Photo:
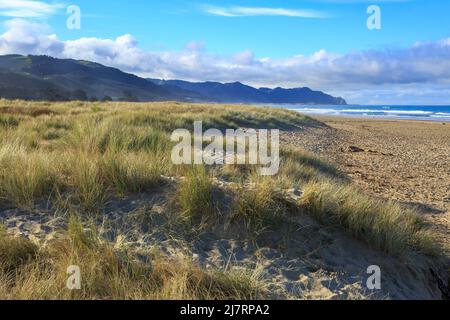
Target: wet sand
(403, 160)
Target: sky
(323, 44)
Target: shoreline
(325, 118)
(439, 113)
(374, 118)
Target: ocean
(431, 113)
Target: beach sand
(402, 160)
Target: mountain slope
(301, 95)
(18, 85)
(219, 92)
(237, 92)
(94, 79)
(46, 78)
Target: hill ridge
(42, 77)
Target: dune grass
(90, 152)
(14, 252)
(85, 154)
(299, 166)
(259, 208)
(384, 225)
(108, 273)
(195, 195)
(96, 150)
(132, 172)
(25, 176)
(8, 121)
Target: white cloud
(27, 8)
(260, 11)
(421, 70)
(23, 37)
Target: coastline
(380, 118)
(376, 112)
(330, 118)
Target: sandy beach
(403, 160)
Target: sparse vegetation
(14, 253)
(195, 195)
(300, 167)
(259, 207)
(384, 225)
(25, 176)
(85, 154)
(109, 273)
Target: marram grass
(110, 274)
(84, 154)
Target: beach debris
(353, 149)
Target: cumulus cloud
(27, 8)
(24, 37)
(423, 65)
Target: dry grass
(97, 151)
(25, 176)
(260, 208)
(107, 273)
(383, 225)
(299, 167)
(195, 195)
(83, 154)
(14, 253)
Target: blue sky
(324, 44)
(173, 23)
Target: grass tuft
(25, 176)
(132, 172)
(195, 195)
(14, 252)
(110, 274)
(383, 225)
(259, 207)
(87, 182)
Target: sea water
(431, 113)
